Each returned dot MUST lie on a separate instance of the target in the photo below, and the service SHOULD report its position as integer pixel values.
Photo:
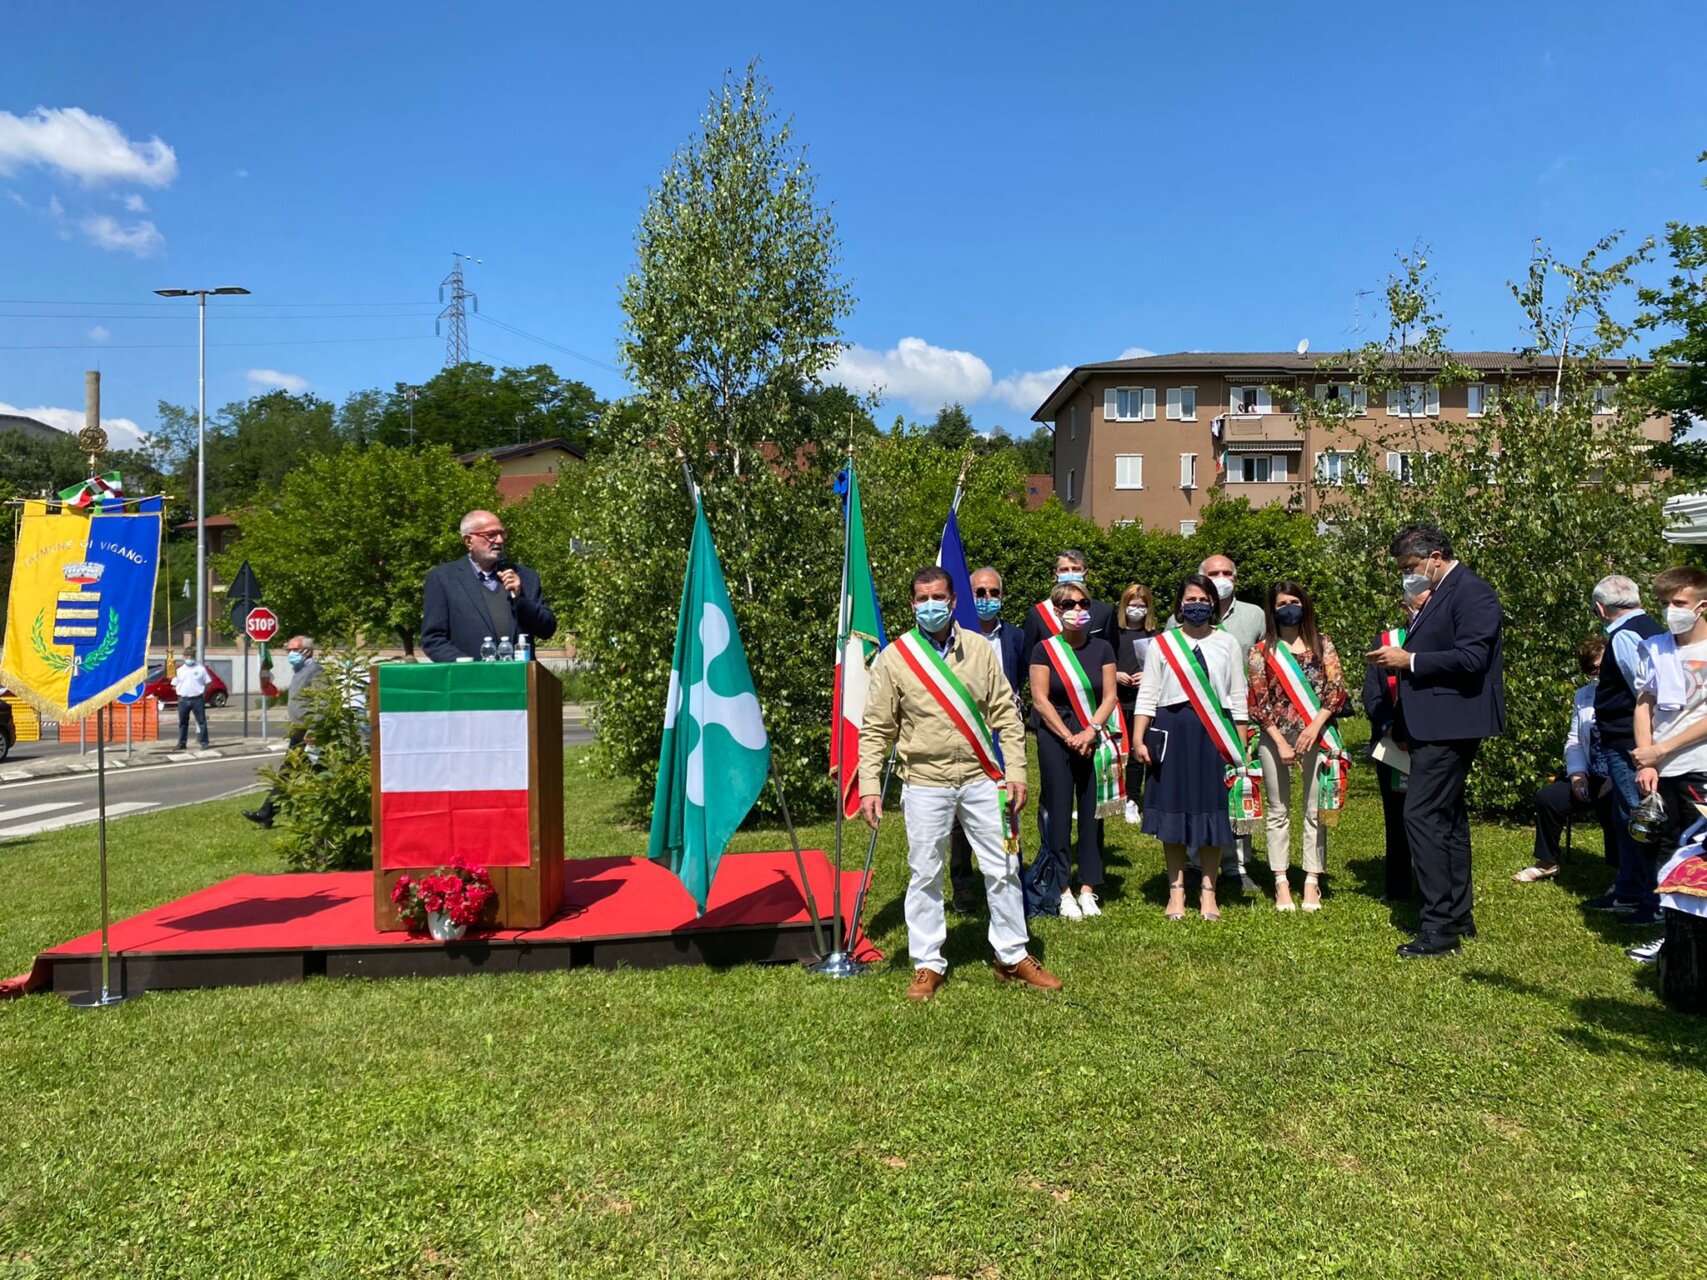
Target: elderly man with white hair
(485, 595)
(1618, 605)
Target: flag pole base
(838, 964)
(99, 999)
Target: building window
(1182, 404)
(1336, 467)
(1404, 466)
(1129, 404)
(1414, 400)
(1188, 471)
(1072, 479)
(1128, 471)
(1188, 527)
(1603, 400)
(1072, 422)
(1479, 398)
(1544, 398)
(1348, 399)
(1248, 400)
(1257, 468)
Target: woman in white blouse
(1185, 802)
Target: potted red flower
(446, 903)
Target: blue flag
(951, 557)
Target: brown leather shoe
(925, 983)
(1029, 972)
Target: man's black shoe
(1429, 944)
(258, 818)
(1468, 931)
(964, 906)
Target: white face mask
(1223, 587)
(1136, 612)
(1681, 620)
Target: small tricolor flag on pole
(85, 492)
(859, 635)
(453, 764)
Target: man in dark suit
(966, 882)
(1451, 695)
(484, 594)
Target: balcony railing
(1278, 427)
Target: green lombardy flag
(715, 755)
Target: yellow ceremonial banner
(81, 606)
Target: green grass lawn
(1269, 1096)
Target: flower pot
(442, 928)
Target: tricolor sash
(1051, 623)
(962, 710)
(1396, 638)
(1243, 773)
(1109, 757)
(1332, 777)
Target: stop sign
(262, 624)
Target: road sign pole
(245, 686)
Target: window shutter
(1392, 405)
(1263, 405)
(1433, 401)
(1173, 403)
(1071, 476)
(1360, 399)
(1393, 463)
(1111, 405)
(1187, 470)
(1277, 468)
(1149, 404)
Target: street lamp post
(201, 295)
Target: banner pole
(799, 860)
(871, 849)
(107, 996)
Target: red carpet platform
(619, 911)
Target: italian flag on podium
(859, 636)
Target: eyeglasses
(987, 593)
(490, 535)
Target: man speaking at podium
(484, 594)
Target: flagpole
(871, 848)
(776, 778)
(838, 963)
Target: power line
(185, 346)
(99, 315)
(62, 302)
(547, 342)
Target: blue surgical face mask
(988, 607)
(1289, 615)
(1071, 576)
(295, 659)
(931, 615)
(1197, 613)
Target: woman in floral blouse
(1290, 737)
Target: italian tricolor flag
(453, 764)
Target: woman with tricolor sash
(1190, 732)
(1081, 755)
(1297, 688)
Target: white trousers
(1277, 793)
(930, 813)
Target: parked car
(160, 688)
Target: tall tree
(951, 428)
(474, 406)
(343, 546)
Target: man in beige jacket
(937, 695)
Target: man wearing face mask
(1005, 639)
(1451, 695)
(1042, 621)
(1243, 621)
(1617, 605)
(937, 695)
(305, 670)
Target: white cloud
(99, 333)
(135, 203)
(1135, 353)
(915, 371)
(273, 380)
(141, 238)
(83, 146)
(122, 433)
(1025, 391)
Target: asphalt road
(31, 806)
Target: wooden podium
(468, 760)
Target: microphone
(505, 563)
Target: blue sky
(1019, 187)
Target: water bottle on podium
(488, 652)
(506, 650)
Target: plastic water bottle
(526, 654)
(506, 650)
(488, 653)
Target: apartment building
(1139, 440)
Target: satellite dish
(1303, 345)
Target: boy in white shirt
(1671, 720)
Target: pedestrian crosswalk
(34, 819)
